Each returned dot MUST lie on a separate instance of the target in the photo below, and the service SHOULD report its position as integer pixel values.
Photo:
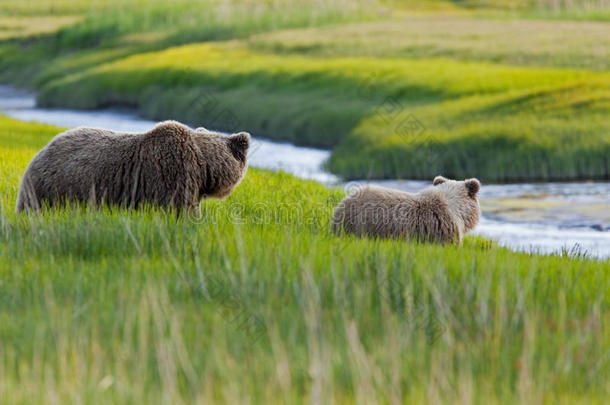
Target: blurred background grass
(506, 91)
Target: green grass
(496, 122)
(118, 306)
(137, 307)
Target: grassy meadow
(259, 303)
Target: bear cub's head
(463, 198)
(225, 161)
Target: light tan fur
(441, 213)
(171, 164)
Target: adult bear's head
(223, 161)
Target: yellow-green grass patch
(496, 122)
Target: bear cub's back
(440, 213)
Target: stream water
(538, 217)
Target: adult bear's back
(100, 166)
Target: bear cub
(441, 213)
(171, 164)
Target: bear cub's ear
(439, 180)
(239, 143)
(473, 186)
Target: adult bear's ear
(439, 180)
(473, 186)
(239, 143)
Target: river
(533, 217)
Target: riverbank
(121, 307)
(501, 123)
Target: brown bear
(440, 213)
(170, 165)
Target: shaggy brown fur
(441, 213)
(169, 165)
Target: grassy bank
(383, 117)
(258, 303)
(476, 89)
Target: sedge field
(259, 303)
